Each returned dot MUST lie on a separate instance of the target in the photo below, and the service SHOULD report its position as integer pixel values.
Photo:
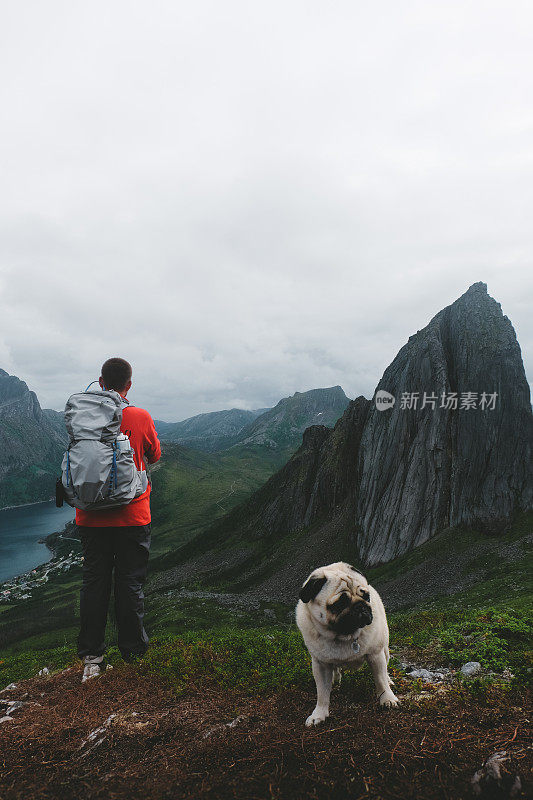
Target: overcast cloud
(249, 199)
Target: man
(118, 540)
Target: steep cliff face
(382, 482)
(338, 472)
(426, 468)
(31, 444)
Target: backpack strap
(113, 473)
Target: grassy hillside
(208, 432)
(222, 695)
(500, 637)
(283, 426)
(497, 603)
(192, 488)
(30, 484)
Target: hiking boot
(91, 671)
(93, 667)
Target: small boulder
(7, 708)
(471, 668)
(96, 737)
(425, 674)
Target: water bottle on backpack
(123, 443)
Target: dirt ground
(211, 743)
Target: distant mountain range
(208, 432)
(283, 426)
(279, 428)
(32, 441)
(382, 482)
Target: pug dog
(343, 624)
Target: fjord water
(20, 530)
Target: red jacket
(139, 426)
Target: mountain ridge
(32, 441)
(209, 432)
(284, 424)
(382, 482)
(279, 428)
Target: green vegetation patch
(245, 659)
(192, 489)
(258, 659)
(27, 663)
(499, 638)
(252, 660)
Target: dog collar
(355, 643)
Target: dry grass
(164, 746)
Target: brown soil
(167, 747)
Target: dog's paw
(388, 700)
(318, 716)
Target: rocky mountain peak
(31, 444)
(15, 397)
(453, 448)
(459, 450)
(283, 425)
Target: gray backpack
(98, 470)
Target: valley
(435, 508)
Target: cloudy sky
(248, 199)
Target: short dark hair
(116, 372)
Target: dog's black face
(347, 615)
(338, 598)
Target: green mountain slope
(282, 427)
(192, 488)
(209, 432)
(32, 441)
(279, 428)
(448, 576)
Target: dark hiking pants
(124, 551)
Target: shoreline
(32, 576)
(48, 546)
(49, 540)
(26, 505)
(29, 571)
